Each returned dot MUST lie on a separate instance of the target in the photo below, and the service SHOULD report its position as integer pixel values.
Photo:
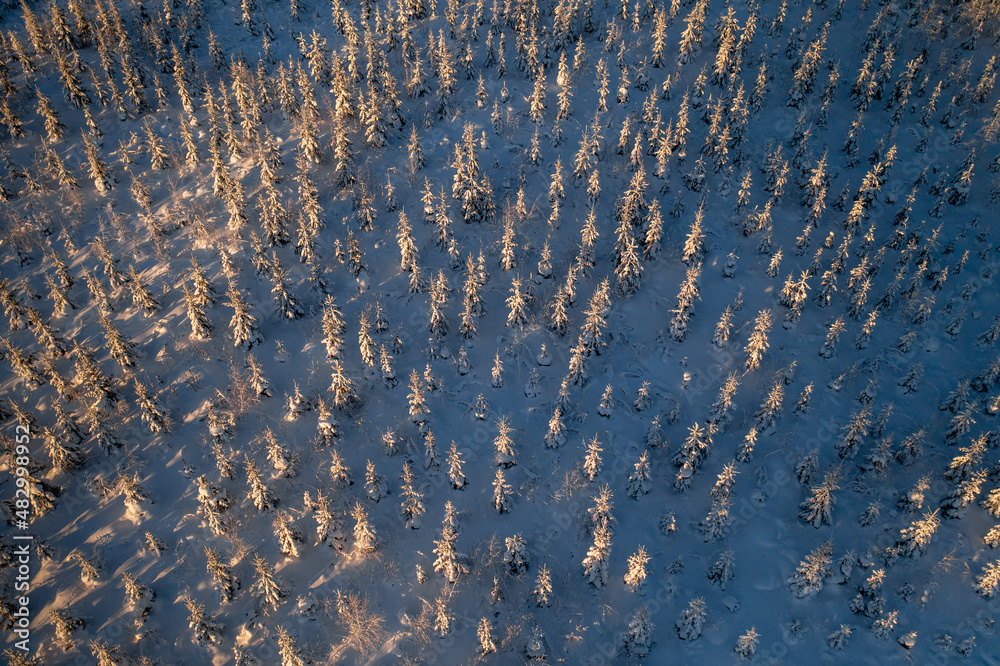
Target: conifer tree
(142, 296)
(98, 169)
(55, 129)
(988, 581)
(639, 635)
(270, 591)
(419, 411)
(721, 570)
(817, 509)
(375, 484)
(635, 577)
(811, 572)
(692, 619)
(757, 343)
(201, 328)
(484, 634)
(261, 495)
(153, 415)
(595, 564)
(243, 325)
(206, 629)
(449, 561)
(556, 435)
(689, 458)
(285, 303)
(639, 481)
(502, 492)
(412, 506)
(365, 535)
(458, 480)
(289, 536)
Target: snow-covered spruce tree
(142, 297)
(64, 455)
(286, 304)
(638, 481)
(365, 536)
(635, 577)
(432, 458)
(692, 453)
(329, 528)
(716, 524)
(869, 600)
(811, 572)
(388, 370)
(911, 447)
(960, 424)
(449, 561)
(816, 510)
(686, 298)
(556, 435)
(883, 626)
(484, 634)
(150, 410)
(592, 459)
(268, 588)
(23, 365)
(340, 473)
(639, 636)
(954, 505)
(243, 325)
(504, 445)
(607, 406)
(289, 650)
(296, 403)
(375, 485)
(592, 332)
(757, 342)
(770, 409)
(104, 654)
(455, 474)
(857, 428)
(258, 492)
(723, 329)
(517, 304)
(988, 581)
(345, 397)
(258, 382)
(913, 540)
(642, 398)
(140, 599)
(206, 629)
(419, 411)
(365, 342)
(443, 616)
(963, 466)
(692, 619)
(213, 504)
(502, 492)
(838, 639)
(836, 327)
(542, 591)
(721, 570)
(516, 556)
(47, 337)
(745, 452)
(595, 564)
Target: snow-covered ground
(731, 394)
